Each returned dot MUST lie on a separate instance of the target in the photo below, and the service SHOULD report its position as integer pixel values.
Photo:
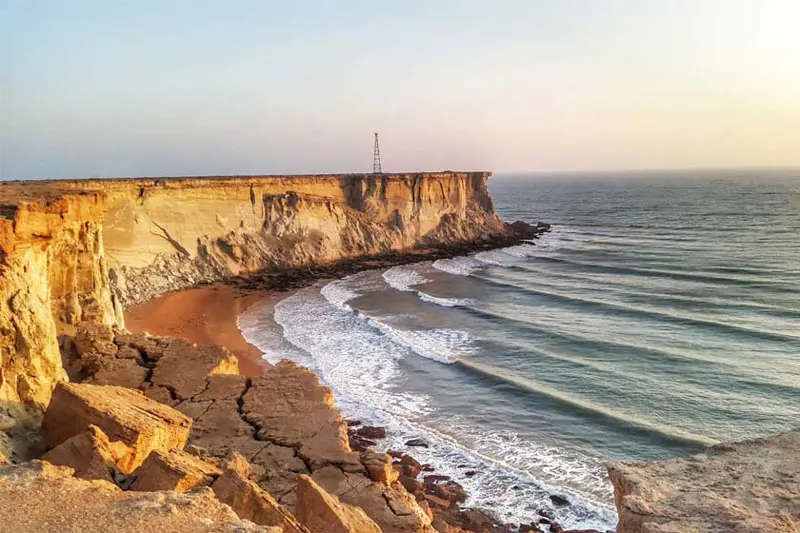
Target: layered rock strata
(79, 250)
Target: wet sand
(204, 316)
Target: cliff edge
(81, 250)
(745, 487)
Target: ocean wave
(403, 277)
(358, 357)
(592, 407)
(458, 266)
(338, 293)
(494, 258)
(445, 302)
(442, 345)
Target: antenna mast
(376, 157)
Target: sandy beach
(205, 316)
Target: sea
(659, 316)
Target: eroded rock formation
(745, 487)
(38, 496)
(73, 251)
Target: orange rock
(174, 470)
(252, 503)
(392, 508)
(321, 512)
(90, 454)
(123, 414)
(379, 467)
(290, 407)
(184, 368)
(38, 497)
(120, 372)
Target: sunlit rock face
(80, 250)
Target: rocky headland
(102, 429)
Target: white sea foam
(358, 356)
(521, 250)
(444, 302)
(494, 258)
(349, 354)
(338, 294)
(458, 266)
(443, 345)
(402, 277)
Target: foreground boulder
(174, 470)
(746, 487)
(90, 454)
(324, 513)
(123, 414)
(39, 497)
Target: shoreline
(205, 316)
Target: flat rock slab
(746, 487)
(123, 414)
(290, 408)
(38, 497)
(183, 368)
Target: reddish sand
(204, 316)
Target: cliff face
(52, 274)
(82, 249)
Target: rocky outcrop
(324, 513)
(277, 427)
(90, 454)
(746, 487)
(251, 502)
(37, 497)
(123, 414)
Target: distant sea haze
(662, 314)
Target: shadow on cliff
(19, 434)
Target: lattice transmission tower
(376, 157)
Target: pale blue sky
(122, 88)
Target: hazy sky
(168, 87)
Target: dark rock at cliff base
(371, 432)
(524, 230)
(435, 478)
(419, 443)
(559, 501)
(361, 445)
(408, 466)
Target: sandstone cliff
(83, 249)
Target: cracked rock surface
(284, 423)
